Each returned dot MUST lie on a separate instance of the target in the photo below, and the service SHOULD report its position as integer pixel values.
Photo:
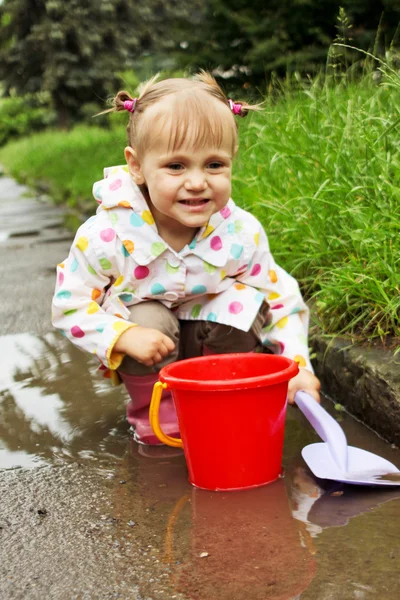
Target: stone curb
(366, 381)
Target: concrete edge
(366, 381)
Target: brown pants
(189, 337)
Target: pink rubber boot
(140, 389)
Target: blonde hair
(195, 118)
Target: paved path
(32, 242)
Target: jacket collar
(138, 232)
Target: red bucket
(231, 410)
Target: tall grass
(327, 188)
(319, 167)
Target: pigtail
(239, 108)
(244, 108)
(117, 103)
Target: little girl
(169, 267)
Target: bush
(22, 115)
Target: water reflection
(53, 404)
(320, 503)
(218, 545)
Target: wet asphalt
(87, 514)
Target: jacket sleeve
(287, 330)
(82, 280)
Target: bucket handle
(154, 419)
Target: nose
(196, 181)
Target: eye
(215, 165)
(174, 166)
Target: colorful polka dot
(120, 326)
(60, 278)
(64, 295)
(235, 308)
(141, 272)
(136, 220)
(211, 317)
(231, 228)
(77, 332)
(157, 289)
(223, 274)
(238, 226)
(256, 269)
(199, 289)
(96, 294)
(105, 264)
(61, 265)
(93, 308)
(196, 311)
(82, 243)
(209, 229)
(273, 296)
(225, 212)
(91, 270)
(256, 238)
(282, 323)
(126, 297)
(259, 297)
(240, 286)
(119, 281)
(97, 193)
(170, 269)
(157, 248)
(216, 243)
(107, 235)
(236, 250)
(100, 328)
(124, 204)
(295, 310)
(147, 217)
(208, 267)
(74, 265)
(273, 277)
(127, 247)
(115, 185)
(113, 218)
(193, 243)
(301, 361)
(70, 312)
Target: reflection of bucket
(231, 410)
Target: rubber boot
(140, 389)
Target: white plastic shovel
(334, 459)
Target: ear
(134, 165)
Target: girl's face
(186, 186)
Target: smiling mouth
(194, 201)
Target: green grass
(319, 167)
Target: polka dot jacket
(224, 275)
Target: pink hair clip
(236, 108)
(130, 105)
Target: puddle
(53, 406)
(296, 538)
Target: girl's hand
(306, 381)
(147, 346)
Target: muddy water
(85, 495)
